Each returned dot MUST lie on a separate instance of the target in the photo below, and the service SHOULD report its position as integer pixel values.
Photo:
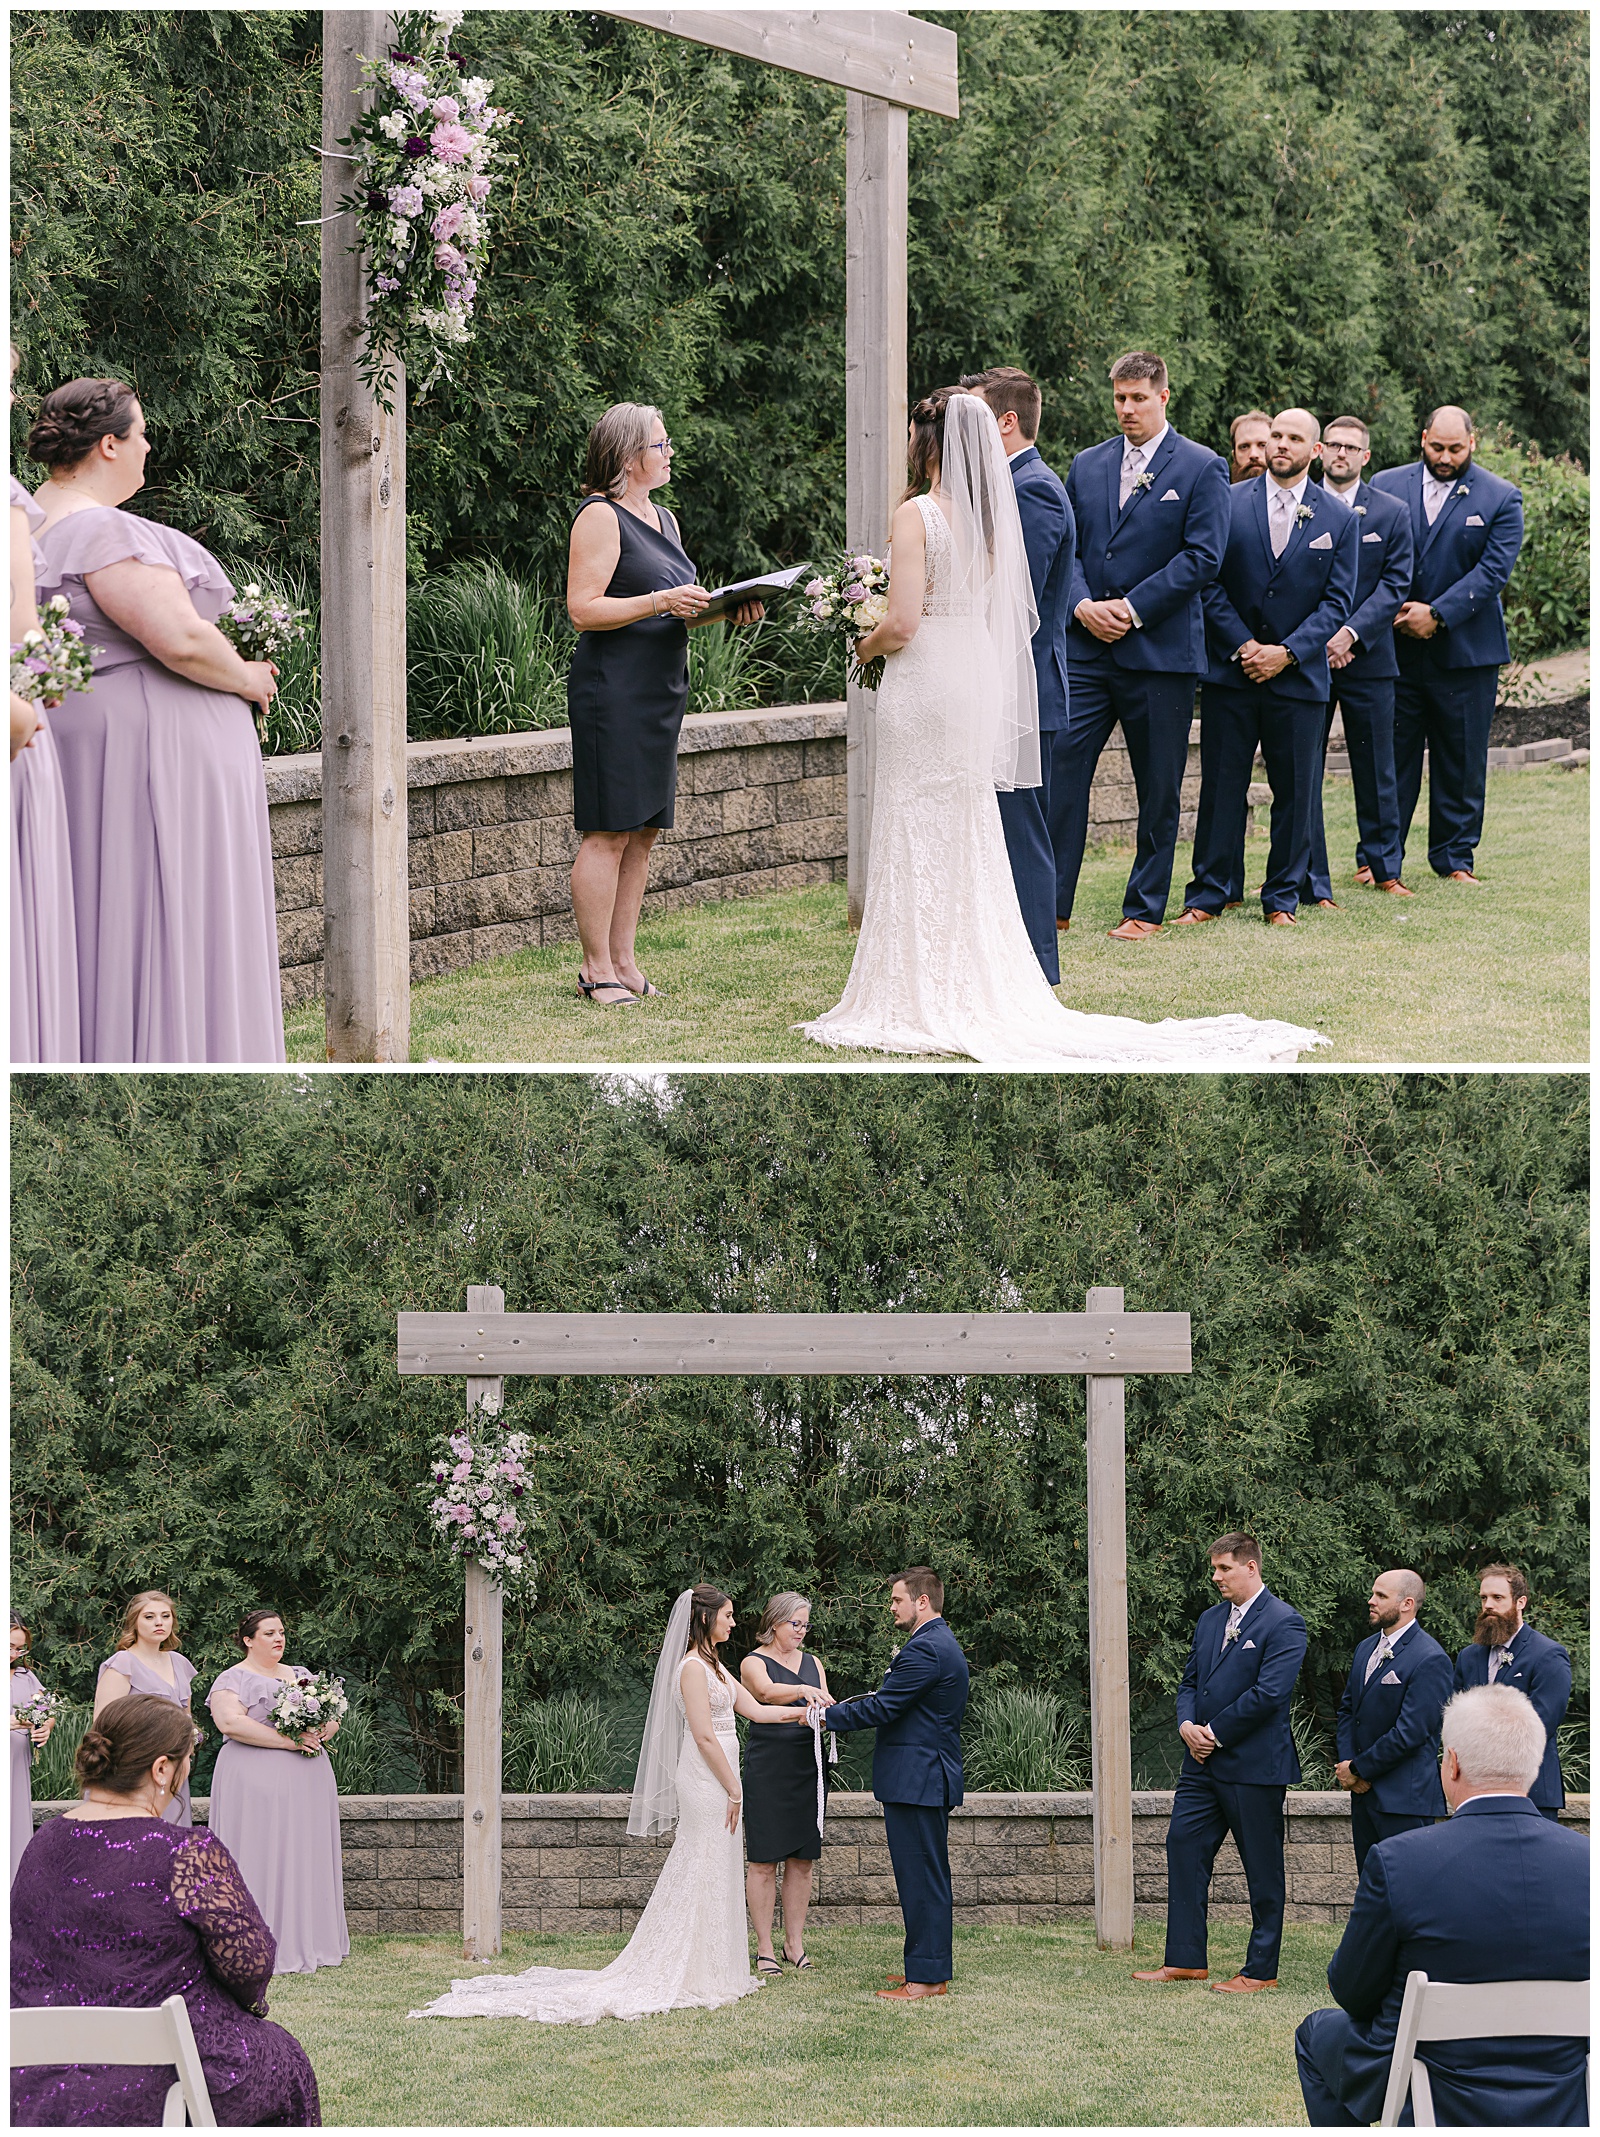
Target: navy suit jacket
(1496, 1893)
(1161, 553)
(1542, 1668)
(1463, 563)
(1385, 561)
(1389, 1731)
(917, 1713)
(1297, 600)
(1050, 536)
(1243, 1694)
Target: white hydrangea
(394, 125)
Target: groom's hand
(1106, 620)
(1261, 663)
(1198, 1738)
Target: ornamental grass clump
(557, 1747)
(1023, 1740)
(487, 654)
(54, 1780)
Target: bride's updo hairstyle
(926, 449)
(704, 1604)
(72, 420)
(122, 1746)
(615, 443)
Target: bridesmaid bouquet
(52, 661)
(483, 1510)
(261, 627)
(847, 603)
(308, 1703)
(35, 1712)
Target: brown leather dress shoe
(913, 1991)
(1240, 1985)
(1233, 905)
(1062, 925)
(1134, 930)
(1281, 920)
(1328, 905)
(1193, 916)
(1394, 888)
(1363, 875)
(1174, 1973)
(1465, 875)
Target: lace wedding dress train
(691, 1946)
(943, 964)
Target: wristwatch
(1438, 619)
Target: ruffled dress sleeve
(24, 504)
(82, 542)
(210, 1895)
(230, 1681)
(119, 1664)
(183, 1676)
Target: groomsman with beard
(1504, 1650)
(1451, 635)
(1050, 537)
(1388, 1727)
(1287, 583)
(1249, 436)
(1152, 516)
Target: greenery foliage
(1019, 1737)
(1367, 211)
(1547, 602)
(1388, 1278)
(558, 1746)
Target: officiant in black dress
(633, 601)
(780, 1792)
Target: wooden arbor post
(483, 1703)
(1105, 1344)
(366, 956)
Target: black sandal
(591, 987)
(801, 1964)
(768, 1969)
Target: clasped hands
(1261, 663)
(1416, 619)
(1198, 1738)
(1351, 1781)
(1106, 620)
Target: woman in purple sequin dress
(25, 1686)
(147, 1660)
(114, 1906)
(276, 1808)
(166, 802)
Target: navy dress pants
(1290, 732)
(1368, 707)
(1033, 868)
(1155, 712)
(1448, 713)
(1319, 2045)
(919, 1848)
(1369, 1825)
(1204, 1812)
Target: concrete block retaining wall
(569, 1864)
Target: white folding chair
(1479, 2010)
(97, 2033)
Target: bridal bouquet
(848, 602)
(482, 1508)
(35, 1712)
(52, 661)
(309, 1703)
(261, 627)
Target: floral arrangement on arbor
(481, 1506)
(422, 155)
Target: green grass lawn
(1451, 975)
(1039, 2028)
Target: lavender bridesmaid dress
(142, 1678)
(167, 814)
(278, 1813)
(127, 1912)
(44, 943)
(24, 1686)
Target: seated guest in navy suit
(1492, 1894)
(1152, 516)
(1504, 1650)
(1239, 1757)
(1388, 1731)
(916, 1774)
(1287, 583)
(1361, 657)
(1249, 436)
(1451, 634)
(1051, 541)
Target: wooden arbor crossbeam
(1104, 1344)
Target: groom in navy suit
(1050, 537)
(1239, 1758)
(916, 1774)
(1287, 583)
(1152, 516)
(1505, 1650)
(1388, 1727)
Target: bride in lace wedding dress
(943, 964)
(691, 1946)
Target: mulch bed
(1516, 724)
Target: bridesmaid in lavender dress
(276, 1809)
(44, 945)
(24, 1686)
(147, 1660)
(166, 803)
(112, 1906)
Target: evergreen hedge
(1388, 1278)
(1369, 212)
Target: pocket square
(1372, 537)
(1249, 1643)
(1323, 541)
(1170, 497)
(1474, 519)
(1389, 1677)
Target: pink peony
(461, 1472)
(448, 220)
(450, 142)
(507, 1523)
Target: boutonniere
(1360, 511)
(1143, 480)
(1463, 489)
(1302, 513)
(1232, 1633)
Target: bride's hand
(735, 1805)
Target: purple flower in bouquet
(416, 145)
(386, 283)
(447, 259)
(444, 107)
(855, 591)
(406, 200)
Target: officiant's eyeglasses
(664, 446)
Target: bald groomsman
(1505, 1650)
(1287, 583)
(1388, 1729)
(1249, 436)
(1450, 635)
